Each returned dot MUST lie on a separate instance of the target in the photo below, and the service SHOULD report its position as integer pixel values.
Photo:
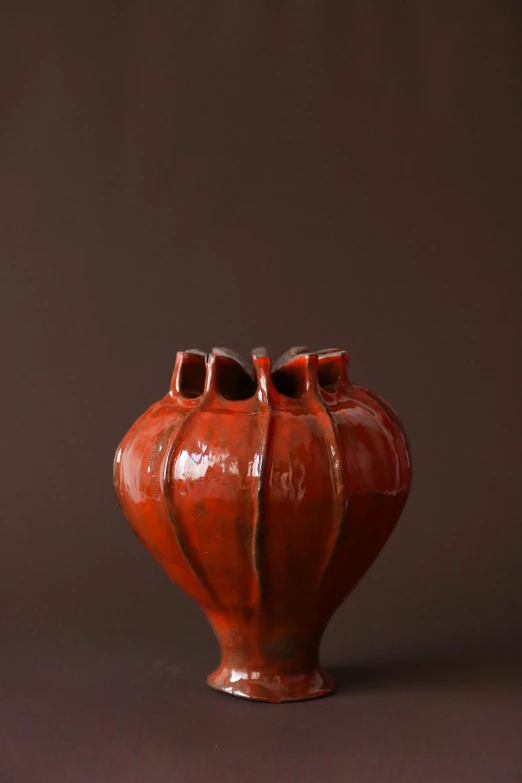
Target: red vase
(265, 494)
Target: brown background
(189, 174)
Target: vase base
(271, 688)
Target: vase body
(265, 494)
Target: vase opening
(329, 375)
(192, 376)
(289, 383)
(232, 380)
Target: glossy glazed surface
(265, 494)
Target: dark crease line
(200, 578)
(166, 472)
(256, 536)
(361, 543)
(338, 478)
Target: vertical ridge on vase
(338, 482)
(340, 477)
(262, 369)
(167, 474)
(318, 406)
(351, 538)
(358, 442)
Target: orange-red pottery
(265, 494)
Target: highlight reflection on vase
(265, 494)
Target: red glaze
(265, 495)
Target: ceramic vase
(265, 493)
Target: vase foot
(260, 686)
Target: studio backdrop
(190, 175)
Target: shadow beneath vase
(442, 671)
